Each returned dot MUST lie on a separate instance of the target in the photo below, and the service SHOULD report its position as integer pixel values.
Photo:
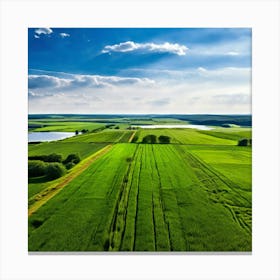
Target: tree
(243, 142)
(149, 139)
(72, 158)
(76, 132)
(55, 170)
(36, 168)
(53, 158)
(163, 139)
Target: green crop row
(147, 198)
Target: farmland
(193, 194)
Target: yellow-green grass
(186, 136)
(107, 136)
(65, 126)
(146, 198)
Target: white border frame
(262, 16)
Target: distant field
(106, 136)
(229, 133)
(186, 136)
(83, 149)
(63, 126)
(148, 198)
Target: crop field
(187, 136)
(192, 193)
(106, 136)
(63, 126)
(64, 148)
(141, 197)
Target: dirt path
(131, 137)
(51, 191)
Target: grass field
(63, 126)
(146, 198)
(187, 136)
(106, 136)
(83, 149)
(193, 194)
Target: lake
(201, 127)
(48, 136)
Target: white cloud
(42, 84)
(36, 36)
(200, 90)
(64, 35)
(130, 46)
(45, 31)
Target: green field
(106, 136)
(63, 126)
(193, 194)
(64, 148)
(187, 136)
(165, 199)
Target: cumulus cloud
(131, 46)
(200, 90)
(41, 83)
(64, 35)
(46, 81)
(45, 31)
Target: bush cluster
(51, 166)
(152, 139)
(71, 160)
(47, 158)
(51, 170)
(244, 142)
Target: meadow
(193, 194)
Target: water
(201, 127)
(48, 136)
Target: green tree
(149, 139)
(55, 170)
(163, 139)
(72, 158)
(243, 142)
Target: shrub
(36, 168)
(72, 158)
(55, 170)
(164, 139)
(69, 165)
(245, 142)
(47, 158)
(53, 158)
(149, 139)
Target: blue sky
(139, 70)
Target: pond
(48, 136)
(201, 127)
